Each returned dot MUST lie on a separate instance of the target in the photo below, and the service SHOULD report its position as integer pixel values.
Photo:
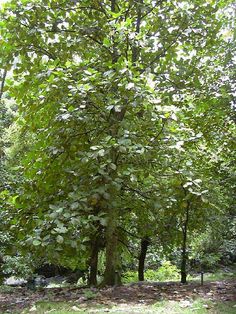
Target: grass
(199, 306)
(6, 289)
(168, 272)
(218, 276)
(187, 306)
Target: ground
(148, 297)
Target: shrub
(166, 271)
(130, 276)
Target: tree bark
(143, 252)
(3, 78)
(94, 264)
(112, 273)
(112, 257)
(1, 272)
(183, 266)
(184, 254)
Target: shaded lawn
(199, 306)
(148, 297)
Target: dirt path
(139, 293)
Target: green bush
(18, 265)
(166, 271)
(130, 276)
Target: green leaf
(106, 42)
(112, 166)
(60, 239)
(37, 242)
(103, 221)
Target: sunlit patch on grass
(199, 306)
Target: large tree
(98, 85)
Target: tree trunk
(112, 267)
(3, 78)
(143, 252)
(1, 272)
(111, 275)
(94, 264)
(184, 254)
(183, 265)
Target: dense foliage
(124, 131)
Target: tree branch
(137, 192)
(164, 51)
(130, 233)
(113, 5)
(137, 30)
(3, 83)
(42, 51)
(155, 6)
